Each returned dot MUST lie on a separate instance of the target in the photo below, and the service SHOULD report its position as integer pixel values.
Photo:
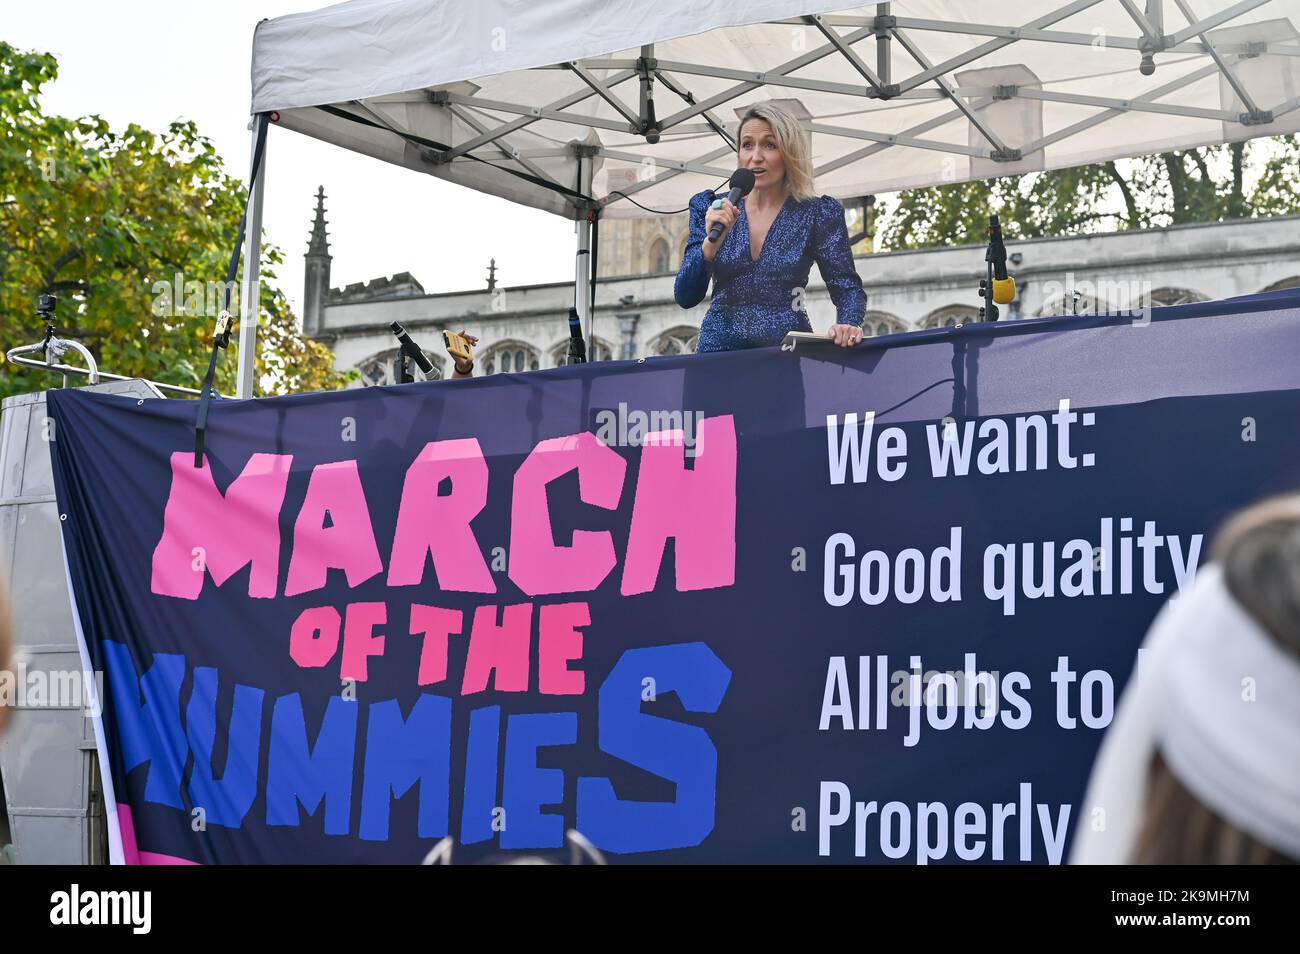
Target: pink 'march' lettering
(347, 544)
(439, 525)
(204, 529)
(697, 508)
(537, 565)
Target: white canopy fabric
(494, 94)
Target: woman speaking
(760, 264)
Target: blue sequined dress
(754, 302)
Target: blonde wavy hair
(792, 142)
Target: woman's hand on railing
(846, 336)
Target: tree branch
(1201, 167)
(1237, 198)
(1130, 202)
(1177, 184)
(71, 255)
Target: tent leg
(1156, 15)
(581, 276)
(884, 66)
(250, 290)
(582, 258)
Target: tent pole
(1156, 17)
(884, 68)
(581, 261)
(250, 290)
(582, 258)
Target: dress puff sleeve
(834, 259)
(693, 277)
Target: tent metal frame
(491, 133)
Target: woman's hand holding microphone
(726, 213)
(723, 211)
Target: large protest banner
(762, 606)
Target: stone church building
(525, 327)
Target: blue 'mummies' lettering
(681, 753)
(224, 801)
(480, 775)
(401, 753)
(295, 773)
(150, 732)
(527, 787)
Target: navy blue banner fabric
(831, 605)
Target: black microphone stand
(990, 311)
(577, 344)
(409, 351)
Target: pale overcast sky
(153, 61)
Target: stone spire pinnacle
(319, 243)
(316, 272)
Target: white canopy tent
(622, 109)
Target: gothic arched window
(1071, 303)
(882, 323)
(511, 356)
(382, 368)
(597, 350)
(679, 340)
(658, 263)
(950, 316)
(1174, 296)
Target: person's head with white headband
(1201, 764)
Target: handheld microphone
(411, 349)
(577, 345)
(742, 182)
(1004, 287)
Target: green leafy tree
(1208, 184)
(133, 231)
